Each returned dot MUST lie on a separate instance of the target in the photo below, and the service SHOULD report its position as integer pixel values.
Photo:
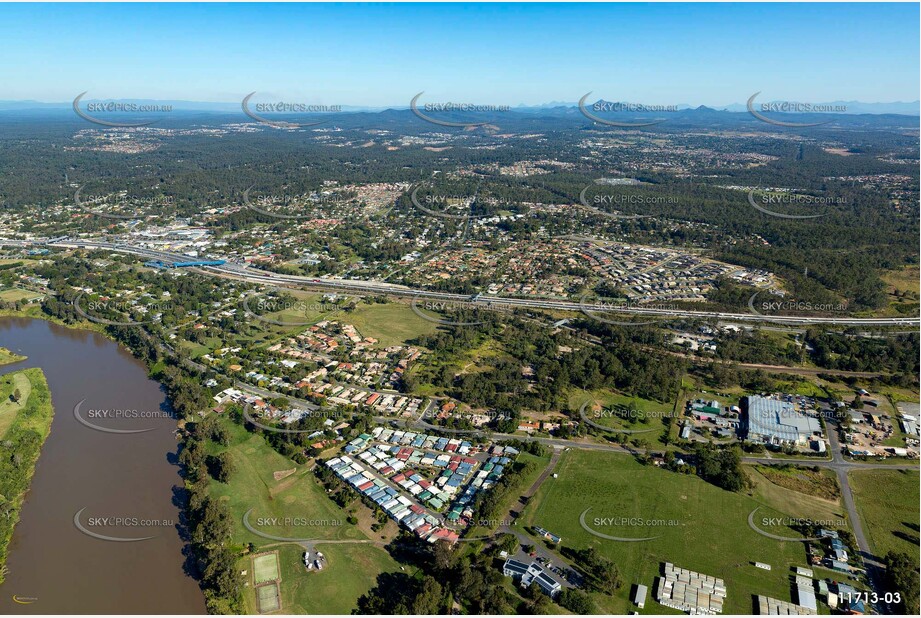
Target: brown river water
(122, 485)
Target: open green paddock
(14, 295)
(648, 416)
(9, 408)
(24, 426)
(887, 501)
(350, 569)
(391, 323)
(295, 507)
(817, 496)
(349, 572)
(698, 526)
(8, 356)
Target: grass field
(478, 358)
(12, 295)
(308, 308)
(654, 410)
(804, 387)
(9, 409)
(887, 501)
(905, 279)
(23, 440)
(820, 484)
(481, 358)
(699, 526)
(298, 497)
(265, 568)
(194, 350)
(390, 324)
(7, 357)
(350, 571)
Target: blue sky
(364, 54)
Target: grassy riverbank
(25, 422)
(286, 500)
(7, 357)
(35, 311)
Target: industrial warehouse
(776, 421)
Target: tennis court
(265, 568)
(268, 598)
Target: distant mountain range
(911, 108)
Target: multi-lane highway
(238, 271)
